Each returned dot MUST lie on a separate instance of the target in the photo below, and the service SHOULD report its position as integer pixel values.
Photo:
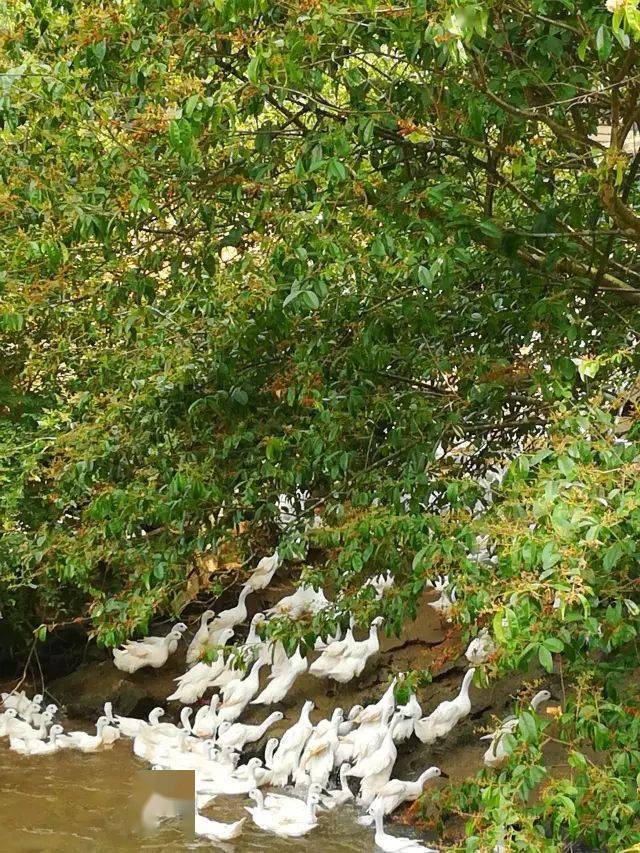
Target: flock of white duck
(360, 745)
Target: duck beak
(444, 775)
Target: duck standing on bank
(230, 618)
(447, 714)
(480, 649)
(410, 713)
(395, 792)
(347, 659)
(136, 655)
(200, 639)
(281, 679)
(316, 762)
(497, 754)
(237, 694)
(264, 572)
(286, 758)
(196, 681)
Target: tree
(367, 251)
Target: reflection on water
(80, 803)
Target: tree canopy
(368, 251)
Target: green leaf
(311, 300)
(424, 276)
(544, 656)
(528, 727)
(239, 396)
(491, 229)
(612, 556)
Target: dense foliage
(367, 251)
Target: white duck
(287, 756)
(136, 656)
(380, 583)
(367, 739)
(320, 645)
(35, 746)
(349, 724)
(205, 723)
(446, 715)
(317, 758)
(179, 627)
(20, 702)
(264, 572)
(281, 679)
(175, 754)
(235, 783)
(373, 714)
(343, 794)
(393, 844)
(280, 823)
(497, 753)
(200, 639)
(237, 694)
(347, 659)
(196, 681)
(410, 713)
(231, 617)
(375, 770)
(445, 603)
(480, 649)
(8, 716)
(157, 738)
(216, 831)
(237, 735)
(269, 752)
(395, 792)
(304, 600)
(289, 804)
(36, 715)
(20, 729)
(85, 742)
(132, 726)
(254, 648)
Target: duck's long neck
(269, 752)
(537, 700)
(466, 684)
(424, 777)
(343, 779)
(377, 819)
